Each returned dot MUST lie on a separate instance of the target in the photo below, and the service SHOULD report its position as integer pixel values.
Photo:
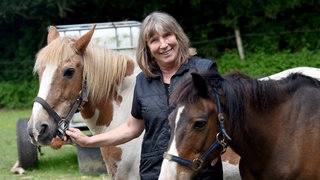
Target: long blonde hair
(155, 23)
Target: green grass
(54, 164)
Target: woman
(164, 56)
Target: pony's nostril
(43, 128)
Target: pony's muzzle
(40, 134)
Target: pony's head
(196, 137)
(59, 66)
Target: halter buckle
(62, 126)
(197, 164)
(221, 118)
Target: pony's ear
(130, 66)
(200, 84)
(81, 44)
(53, 34)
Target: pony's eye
(69, 73)
(199, 124)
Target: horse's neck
(256, 131)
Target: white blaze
(44, 89)
(169, 168)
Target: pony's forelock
(186, 93)
(54, 52)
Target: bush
(20, 95)
(261, 64)
(13, 95)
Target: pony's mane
(104, 69)
(239, 89)
(263, 93)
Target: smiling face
(164, 48)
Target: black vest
(150, 103)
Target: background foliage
(268, 28)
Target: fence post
(239, 43)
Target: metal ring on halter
(197, 164)
(221, 139)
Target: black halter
(63, 123)
(196, 163)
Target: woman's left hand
(78, 136)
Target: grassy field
(54, 164)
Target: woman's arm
(125, 132)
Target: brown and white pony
(274, 125)
(75, 75)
